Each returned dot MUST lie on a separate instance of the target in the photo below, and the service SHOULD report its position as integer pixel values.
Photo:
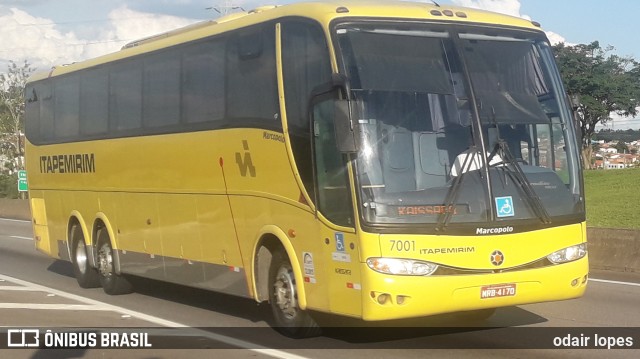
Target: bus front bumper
(394, 297)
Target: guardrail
(614, 249)
(609, 248)
(15, 209)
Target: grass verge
(613, 198)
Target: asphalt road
(38, 291)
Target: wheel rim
(81, 257)
(105, 261)
(284, 292)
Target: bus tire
(289, 319)
(86, 275)
(112, 283)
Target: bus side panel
(40, 226)
(220, 251)
(86, 203)
(343, 271)
(57, 222)
(180, 238)
(263, 191)
(181, 250)
(251, 214)
(199, 243)
(138, 235)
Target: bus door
(334, 204)
(333, 260)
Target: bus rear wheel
(86, 275)
(111, 282)
(289, 319)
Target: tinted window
(226, 81)
(46, 111)
(125, 96)
(252, 91)
(94, 101)
(305, 62)
(67, 106)
(305, 65)
(32, 95)
(203, 82)
(334, 200)
(162, 90)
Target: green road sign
(22, 181)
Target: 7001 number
(402, 246)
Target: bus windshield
(470, 124)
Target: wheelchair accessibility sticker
(339, 242)
(504, 206)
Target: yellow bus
(376, 160)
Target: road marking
(17, 288)
(38, 306)
(20, 237)
(14, 220)
(614, 282)
(152, 319)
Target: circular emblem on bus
(497, 258)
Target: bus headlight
(400, 266)
(568, 254)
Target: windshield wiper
(510, 164)
(512, 168)
(452, 193)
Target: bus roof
(322, 11)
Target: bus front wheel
(86, 275)
(111, 282)
(289, 319)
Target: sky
(53, 32)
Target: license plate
(499, 290)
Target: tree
(12, 86)
(605, 83)
(621, 147)
(608, 135)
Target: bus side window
(46, 111)
(161, 90)
(252, 88)
(305, 65)
(125, 96)
(94, 101)
(67, 107)
(334, 200)
(203, 82)
(33, 102)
